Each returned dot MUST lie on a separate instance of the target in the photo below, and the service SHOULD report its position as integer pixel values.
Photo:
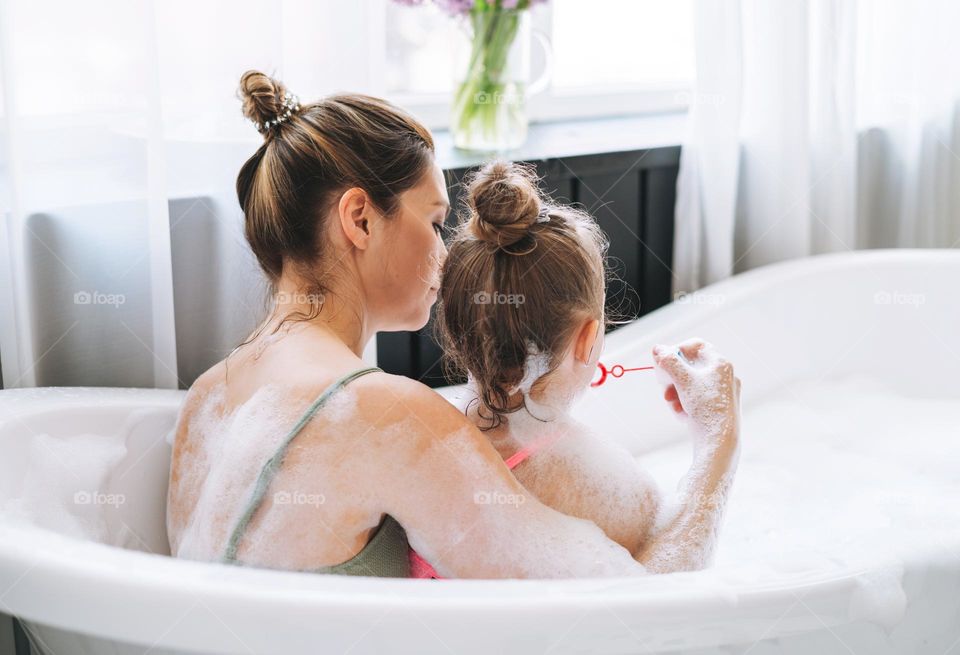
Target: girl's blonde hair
(521, 273)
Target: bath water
(846, 469)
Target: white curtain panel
(122, 258)
(818, 126)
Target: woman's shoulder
(378, 399)
(391, 398)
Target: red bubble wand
(615, 371)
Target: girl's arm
(708, 395)
(588, 477)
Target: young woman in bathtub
(293, 454)
(521, 313)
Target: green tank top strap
(269, 471)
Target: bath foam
(613, 479)
(585, 549)
(303, 504)
(603, 476)
(64, 485)
(536, 365)
(234, 449)
(879, 596)
(705, 403)
(588, 454)
(536, 544)
(806, 492)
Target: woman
(293, 454)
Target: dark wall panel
(614, 200)
(659, 195)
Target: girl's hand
(702, 386)
(670, 395)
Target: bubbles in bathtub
(65, 484)
(879, 596)
(845, 472)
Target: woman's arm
(466, 514)
(462, 508)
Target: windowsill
(575, 138)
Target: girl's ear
(353, 209)
(585, 340)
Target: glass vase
(489, 109)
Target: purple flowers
(451, 7)
(465, 7)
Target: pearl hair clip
(544, 215)
(290, 104)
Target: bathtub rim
(160, 585)
(748, 283)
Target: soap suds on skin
(231, 453)
(537, 365)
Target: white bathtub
(825, 317)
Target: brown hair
(520, 273)
(288, 186)
(311, 152)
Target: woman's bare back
(235, 417)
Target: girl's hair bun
(504, 200)
(262, 97)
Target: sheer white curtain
(122, 259)
(818, 126)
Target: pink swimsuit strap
(419, 567)
(530, 449)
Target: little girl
(521, 313)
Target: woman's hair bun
(505, 200)
(262, 97)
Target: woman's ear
(354, 209)
(585, 340)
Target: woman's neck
(336, 315)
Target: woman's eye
(439, 228)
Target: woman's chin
(416, 320)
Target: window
(610, 57)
